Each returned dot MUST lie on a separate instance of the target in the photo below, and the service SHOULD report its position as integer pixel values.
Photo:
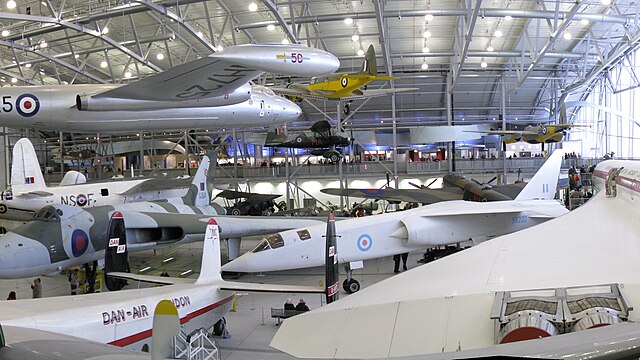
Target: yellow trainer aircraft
(342, 86)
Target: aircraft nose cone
(291, 111)
(237, 265)
(22, 257)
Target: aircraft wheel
(334, 157)
(347, 109)
(220, 327)
(235, 212)
(351, 286)
(3, 208)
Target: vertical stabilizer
(369, 65)
(331, 262)
(25, 169)
(210, 267)
(166, 325)
(116, 256)
(544, 183)
(199, 193)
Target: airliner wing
(423, 196)
(254, 287)
(160, 280)
(224, 285)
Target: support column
(235, 153)
(339, 122)
(61, 146)
(395, 140)
(286, 172)
(233, 248)
(449, 94)
(98, 149)
(7, 159)
(503, 116)
(141, 165)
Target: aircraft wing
(211, 76)
(454, 307)
(34, 194)
(157, 184)
(254, 287)
(295, 92)
(365, 94)
(503, 132)
(423, 196)
(233, 195)
(160, 280)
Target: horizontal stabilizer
(35, 194)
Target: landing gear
(347, 109)
(220, 328)
(350, 285)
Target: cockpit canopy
(273, 241)
(48, 213)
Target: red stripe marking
(147, 333)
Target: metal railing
(198, 345)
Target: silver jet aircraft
(61, 236)
(443, 223)
(211, 92)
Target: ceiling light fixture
(104, 64)
(200, 34)
(483, 64)
(253, 6)
(5, 33)
(285, 41)
(497, 34)
(271, 27)
(508, 18)
(14, 80)
(11, 4)
(424, 66)
(127, 74)
(604, 2)
(567, 35)
(426, 34)
(355, 37)
(584, 22)
(348, 21)
(428, 17)
(43, 44)
(425, 49)
(220, 48)
(490, 48)
(360, 52)
(27, 65)
(105, 30)
(160, 56)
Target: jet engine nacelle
(86, 102)
(434, 231)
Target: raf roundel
(365, 242)
(79, 242)
(81, 200)
(27, 105)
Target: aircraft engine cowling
(432, 231)
(87, 102)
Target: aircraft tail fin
(544, 183)
(211, 263)
(199, 193)
(25, 170)
(332, 281)
(116, 256)
(369, 65)
(166, 325)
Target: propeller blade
(415, 185)
(432, 182)
(492, 179)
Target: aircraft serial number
(519, 219)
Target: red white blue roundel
(365, 242)
(27, 105)
(81, 200)
(79, 242)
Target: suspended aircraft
(444, 223)
(211, 92)
(324, 141)
(60, 236)
(123, 318)
(341, 86)
(562, 283)
(456, 187)
(253, 203)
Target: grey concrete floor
(251, 328)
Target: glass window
(304, 234)
(262, 246)
(275, 241)
(47, 213)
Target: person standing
(405, 256)
(74, 281)
(36, 288)
(396, 263)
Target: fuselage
(124, 319)
(54, 108)
(376, 236)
